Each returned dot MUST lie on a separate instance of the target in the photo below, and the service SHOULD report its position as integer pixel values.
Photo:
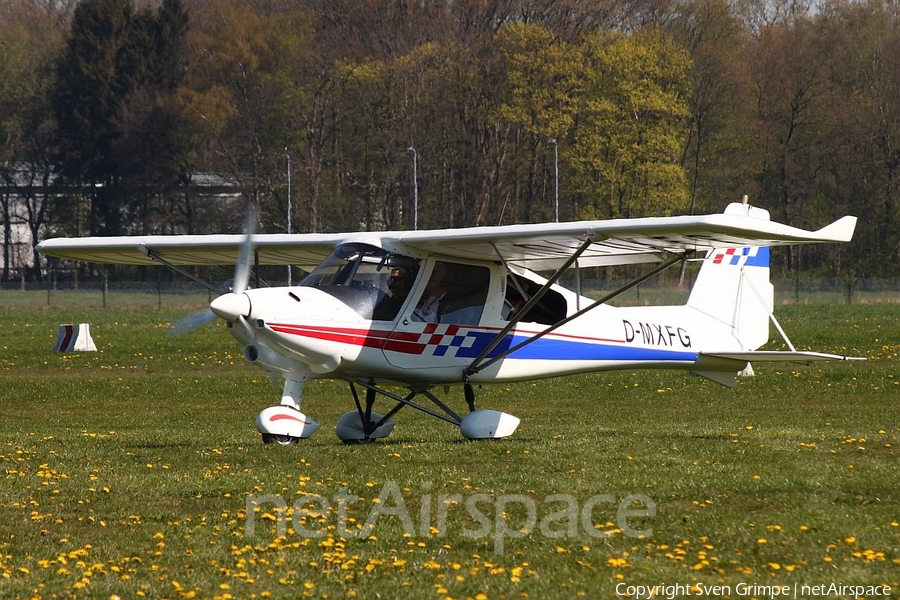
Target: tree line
(459, 113)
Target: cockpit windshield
(363, 277)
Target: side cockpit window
(550, 309)
(455, 293)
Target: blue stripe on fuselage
(556, 349)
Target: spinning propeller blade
(245, 258)
(239, 285)
(191, 322)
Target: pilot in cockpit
(398, 288)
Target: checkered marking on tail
(750, 256)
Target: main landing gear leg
(470, 396)
(485, 424)
(285, 424)
(363, 424)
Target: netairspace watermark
(772, 592)
(502, 517)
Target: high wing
(534, 246)
(217, 249)
(617, 241)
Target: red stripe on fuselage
(356, 337)
(406, 342)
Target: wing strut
(476, 365)
(154, 256)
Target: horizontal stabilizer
(773, 356)
(839, 231)
(724, 367)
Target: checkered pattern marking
(751, 256)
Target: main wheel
(281, 440)
(353, 442)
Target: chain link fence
(184, 294)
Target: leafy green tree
(436, 106)
(118, 127)
(88, 101)
(544, 76)
(30, 37)
(629, 134)
(862, 150)
(247, 92)
(795, 97)
(545, 90)
(153, 154)
(719, 137)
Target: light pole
(415, 189)
(288, 157)
(555, 180)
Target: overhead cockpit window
(360, 276)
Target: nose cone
(231, 306)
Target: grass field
(129, 473)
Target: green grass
(126, 472)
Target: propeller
(232, 303)
(245, 257)
(191, 322)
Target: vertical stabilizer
(733, 286)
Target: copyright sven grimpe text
(772, 592)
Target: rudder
(733, 286)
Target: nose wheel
(279, 440)
(285, 424)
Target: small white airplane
(430, 309)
